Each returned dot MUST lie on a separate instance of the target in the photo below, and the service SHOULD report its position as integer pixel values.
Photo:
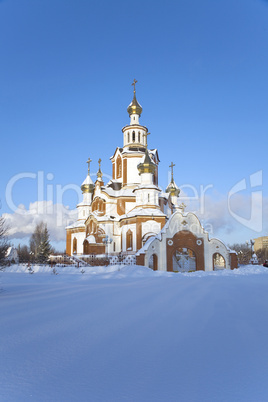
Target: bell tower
(134, 135)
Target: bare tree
(3, 241)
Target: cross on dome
(134, 84)
(88, 162)
(134, 107)
(172, 166)
(99, 173)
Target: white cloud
(212, 211)
(23, 221)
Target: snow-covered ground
(131, 334)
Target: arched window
(139, 137)
(85, 247)
(74, 245)
(118, 167)
(129, 238)
(133, 136)
(127, 137)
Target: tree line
(39, 248)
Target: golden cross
(134, 84)
(99, 162)
(171, 166)
(88, 162)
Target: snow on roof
(87, 180)
(77, 224)
(143, 212)
(126, 192)
(141, 186)
(83, 204)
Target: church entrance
(184, 260)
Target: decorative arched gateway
(218, 261)
(184, 245)
(153, 262)
(184, 260)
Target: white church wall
(133, 176)
(129, 206)
(216, 246)
(80, 237)
(159, 248)
(125, 228)
(150, 226)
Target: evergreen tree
(3, 241)
(44, 248)
(39, 243)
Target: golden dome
(147, 166)
(172, 188)
(134, 107)
(87, 185)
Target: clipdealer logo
(254, 222)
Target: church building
(131, 218)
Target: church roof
(77, 224)
(147, 166)
(87, 185)
(143, 212)
(172, 188)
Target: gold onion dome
(87, 185)
(147, 166)
(172, 188)
(134, 107)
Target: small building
(12, 255)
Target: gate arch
(184, 260)
(153, 262)
(218, 261)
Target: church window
(129, 240)
(127, 137)
(139, 137)
(133, 136)
(118, 167)
(74, 245)
(114, 246)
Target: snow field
(133, 335)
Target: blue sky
(66, 74)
